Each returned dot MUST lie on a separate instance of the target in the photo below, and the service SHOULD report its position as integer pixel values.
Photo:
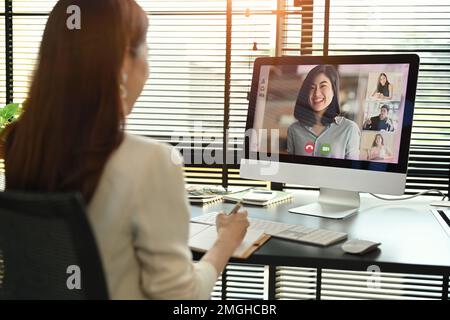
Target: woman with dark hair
(384, 88)
(379, 151)
(320, 130)
(71, 138)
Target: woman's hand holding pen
(232, 228)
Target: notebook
(203, 236)
(204, 195)
(204, 199)
(249, 197)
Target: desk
(412, 240)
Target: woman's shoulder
(138, 142)
(136, 152)
(145, 146)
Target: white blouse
(140, 218)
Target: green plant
(9, 113)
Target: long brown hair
(73, 117)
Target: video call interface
(346, 111)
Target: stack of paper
(204, 195)
(259, 198)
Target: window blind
(296, 283)
(2, 59)
(303, 28)
(33, 6)
(301, 283)
(182, 102)
(339, 284)
(364, 27)
(27, 34)
(246, 282)
(242, 281)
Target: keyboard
(321, 237)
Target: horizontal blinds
(2, 62)
(251, 282)
(295, 283)
(203, 175)
(33, 6)
(303, 28)
(213, 176)
(362, 27)
(216, 293)
(2, 176)
(235, 180)
(242, 282)
(300, 283)
(186, 6)
(2, 82)
(27, 35)
(246, 282)
(339, 284)
(182, 102)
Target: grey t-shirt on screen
(340, 140)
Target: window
(364, 27)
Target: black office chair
(45, 243)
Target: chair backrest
(47, 248)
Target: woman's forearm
(219, 254)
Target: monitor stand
(334, 204)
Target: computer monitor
(340, 123)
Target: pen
(236, 208)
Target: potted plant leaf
(9, 113)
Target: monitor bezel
(401, 167)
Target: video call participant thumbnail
(380, 122)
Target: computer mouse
(358, 246)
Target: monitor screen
(347, 111)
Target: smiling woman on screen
(320, 130)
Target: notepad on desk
(204, 195)
(259, 197)
(203, 236)
(204, 199)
